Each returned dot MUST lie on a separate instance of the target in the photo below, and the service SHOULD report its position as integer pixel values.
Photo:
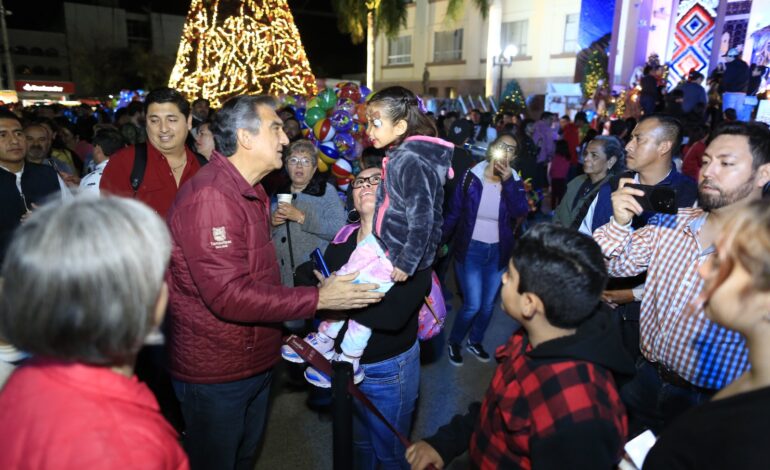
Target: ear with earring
(353, 216)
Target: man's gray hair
(82, 278)
(239, 112)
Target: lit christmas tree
(595, 72)
(232, 47)
(513, 100)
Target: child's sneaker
(320, 342)
(319, 379)
(455, 356)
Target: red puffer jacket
(226, 298)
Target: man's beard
(709, 202)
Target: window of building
(400, 50)
(138, 32)
(515, 33)
(571, 33)
(448, 45)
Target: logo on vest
(220, 238)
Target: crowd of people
(153, 261)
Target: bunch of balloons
(335, 121)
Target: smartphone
(320, 264)
(656, 198)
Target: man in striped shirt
(687, 358)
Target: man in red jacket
(226, 297)
(169, 162)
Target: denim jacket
(461, 219)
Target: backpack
(140, 165)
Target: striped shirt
(671, 332)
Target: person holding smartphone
(482, 216)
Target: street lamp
(504, 59)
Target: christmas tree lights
(595, 73)
(232, 47)
(513, 100)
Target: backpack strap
(140, 165)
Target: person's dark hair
(613, 147)
(239, 112)
(564, 268)
(545, 115)
(109, 140)
(647, 69)
(672, 130)
(618, 127)
(371, 157)
(81, 291)
(484, 122)
(562, 148)
(581, 116)
(167, 95)
(135, 107)
(6, 114)
(566, 118)
(399, 103)
(731, 114)
(201, 100)
(757, 133)
(590, 135)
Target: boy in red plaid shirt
(552, 403)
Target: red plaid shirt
(535, 399)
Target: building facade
(66, 61)
(458, 54)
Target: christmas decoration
(513, 100)
(232, 47)
(595, 73)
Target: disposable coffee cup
(284, 198)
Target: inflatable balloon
(345, 143)
(323, 130)
(328, 161)
(323, 167)
(365, 92)
(312, 103)
(361, 113)
(327, 99)
(289, 100)
(341, 121)
(343, 184)
(300, 101)
(313, 115)
(300, 115)
(351, 92)
(347, 105)
(328, 149)
(342, 169)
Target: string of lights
(232, 47)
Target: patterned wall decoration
(693, 38)
(736, 24)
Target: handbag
(432, 316)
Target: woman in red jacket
(83, 286)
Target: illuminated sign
(37, 86)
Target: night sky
(330, 52)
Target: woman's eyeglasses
(507, 148)
(294, 161)
(373, 180)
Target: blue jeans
(652, 403)
(392, 385)
(480, 278)
(224, 422)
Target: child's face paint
(379, 128)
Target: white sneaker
(319, 379)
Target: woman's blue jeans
(392, 385)
(480, 279)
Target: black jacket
(37, 182)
